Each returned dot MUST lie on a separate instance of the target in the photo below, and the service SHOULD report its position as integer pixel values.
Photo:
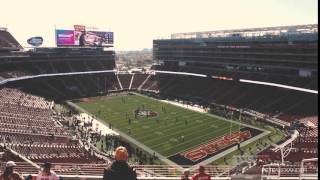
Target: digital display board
(65, 37)
(83, 38)
(99, 38)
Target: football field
(165, 128)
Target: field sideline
(164, 132)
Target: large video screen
(87, 38)
(93, 38)
(65, 37)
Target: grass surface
(163, 132)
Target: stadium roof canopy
(249, 32)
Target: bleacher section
(268, 100)
(31, 128)
(24, 67)
(310, 128)
(70, 86)
(125, 80)
(138, 80)
(303, 148)
(8, 42)
(151, 84)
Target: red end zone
(213, 147)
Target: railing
(73, 177)
(282, 147)
(95, 171)
(278, 171)
(307, 172)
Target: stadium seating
(304, 82)
(31, 128)
(138, 79)
(305, 146)
(9, 70)
(268, 100)
(151, 84)
(8, 42)
(125, 80)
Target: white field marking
(194, 108)
(213, 125)
(199, 121)
(158, 133)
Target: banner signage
(35, 41)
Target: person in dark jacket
(82, 38)
(120, 169)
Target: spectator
(82, 38)
(186, 174)
(201, 175)
(119, 169)
(47, 173)
(29, 177)
(9, 174)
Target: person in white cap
(9, 174)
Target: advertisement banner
(35, 41)
(93, 38)
(65, 37)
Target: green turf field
(163, 132)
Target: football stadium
(241, 103)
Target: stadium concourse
(37, 126)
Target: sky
(136, 23)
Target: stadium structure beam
(279, 85)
